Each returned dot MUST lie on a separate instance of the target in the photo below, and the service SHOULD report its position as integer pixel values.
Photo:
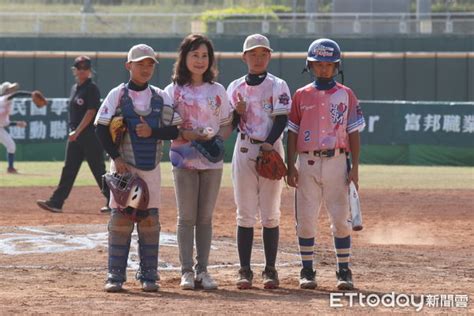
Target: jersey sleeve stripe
(280, 112)
(103, 121)
(357, 126)
(293, 127)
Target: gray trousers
(196, 195)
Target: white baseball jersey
(203, 106)
(5, 138)
(254, 195)
(265, 101)
(5, 109)
(141, 102)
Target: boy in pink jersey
(324, 125)
(262, 103)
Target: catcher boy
(135, 166)
(324, 124)
(261, 102)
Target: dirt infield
(415, 242)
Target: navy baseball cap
(83, 62)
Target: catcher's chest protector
(143, 153)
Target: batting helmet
(129, 190)
(324, 49)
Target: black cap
(82, 62)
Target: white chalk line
(24, 240)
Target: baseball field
(417, 244)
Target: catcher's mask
(129, 190)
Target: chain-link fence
(164, 24)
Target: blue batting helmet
(324, 49)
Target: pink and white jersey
(5, 109)
(204, 106)
(141, 102)
(323, 119)
(264, 102)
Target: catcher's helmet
(128, 190)
(324, 49)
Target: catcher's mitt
(270, 165)
(117, 129)
(212, 149)
(38, 99)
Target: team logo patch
(337, 113)
(284, 99)
(80, 101)
(268, 107)
(323, 51)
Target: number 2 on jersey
(307, 136)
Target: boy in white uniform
(262, 102)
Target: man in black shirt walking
(82, 142)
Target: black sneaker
(307, 279)
(244, 282)
(344, 279)
(48, 206)
(270, 278)
(149, 286)
(113, 286)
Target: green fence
(396, 132)
(432, 76)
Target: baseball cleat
(48, 206)
(344, 279)
(112, 286)
(270, 278)
(244, 282)
(150, 286)
(307, 279)
(105, 209)
(205, 281)
(187, 281)
(12, 170)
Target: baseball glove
(38, 99)
(117, 129)
(270, 165)
(212, 149)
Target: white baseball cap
(140, 52)
(4, 87)
(256, 40)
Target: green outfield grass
(371, 176)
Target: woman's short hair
(181, 74)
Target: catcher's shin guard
(118, 256)
(148, 245)
(120, 235)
